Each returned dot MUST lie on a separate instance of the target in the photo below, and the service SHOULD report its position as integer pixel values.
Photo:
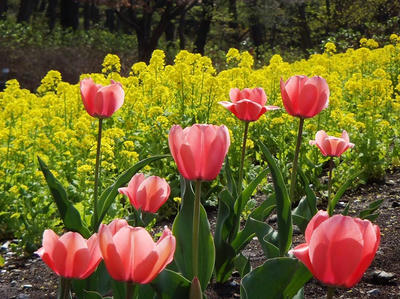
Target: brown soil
(28, 277)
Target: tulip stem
(331, 292)
(246, 129)
(96, 176)
(331, 165)
(295, 161)
(130, 290)
(196, 226)
(64, 289)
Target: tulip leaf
(287, 277)
(69, 214)
(242, 264)
(283, 203)
(109, 194)
(246, 193)
(183, 230)
(224, 253)
(369, 213)
(169, 285)
(343, 189)
(231, 183)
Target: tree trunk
(233, 23)
(52, 13)
(3, 9)
(306, 42)
(25, 10)
(110, 19)
(328, 16)
(204, 26)
(90, 14)
(69, 14)
(181, 30)
(257, 28)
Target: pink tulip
(332, 146)
(338, 249)
(101, 101)
(70, 256)
(248, 104)
(131, 254)
(305, 97)
(199, 150)
(147, 194)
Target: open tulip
(131, 255)
(199, 150)
(332, 146)
(101, 101)
(70, 256)
(247, 104)
(147, 194)
(338, 249)
(305, 97)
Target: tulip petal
(248, 110)
(94, 256)
(88, 92)
(302, 253)
(318, 218)
(111, 256)
(108, 99)
(234, 95)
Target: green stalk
(331, 165)
(240, 180)
(96, 175)
(331, 292)
(295, 161)
(64, 289)
(130, 290)
(196, 226)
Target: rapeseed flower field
(53, 124)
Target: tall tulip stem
(130, 290)
(331, 292)
(64, 289)
(196, 226)
(96, 175)
(246, 129)
(295, 160)
(331, 165)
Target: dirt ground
(29, 277)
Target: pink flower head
(247, 104)
(199, 150)
(148, 194)
(101, 101)
(338, 249)
(332, 146)
(305, 97)
(132, 255)
(70, 255)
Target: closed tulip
(199, 150)
(70, 256)
(247, 104)
(305, 97)
(338, 249)
(147, 194)
(332, 146)
(101, 101)
(131, 255)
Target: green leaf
(99, 281)
(266, 235)
(182, 229)
(246, 193)
(231, 183)
(343, 189)
(69, 214)
(369, 213)
(283, 203)
(224, 253)
(242, 264)
(286, 277)
(108, 195)
(169, 285)
(2, 261)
